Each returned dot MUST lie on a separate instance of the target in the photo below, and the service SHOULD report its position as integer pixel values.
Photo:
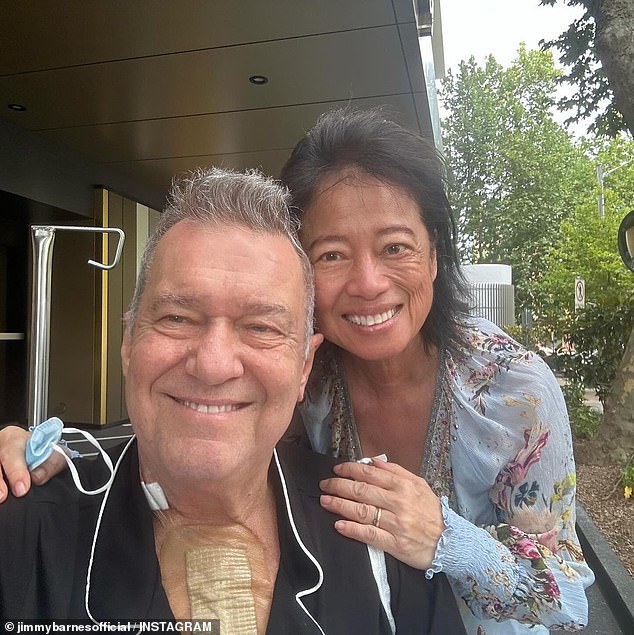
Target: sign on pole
(580, 293)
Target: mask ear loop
(48, 437)
(73, 469)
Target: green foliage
(587, 247)
(592, 98)
(584, 421)
(515, 174)
(628, 474)
(526, 337)
(598, 336)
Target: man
(216, 353)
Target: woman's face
(374, 265)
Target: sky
(482, 27)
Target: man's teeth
(198, 407)
(371, 320)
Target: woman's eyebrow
(330, 238)
(396, 229)
(339, 238)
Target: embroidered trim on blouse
(435, 467)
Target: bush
(598, 336)
(584, 421)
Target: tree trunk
(614, 42)
(613, 444)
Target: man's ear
(126, 345)
(315, 341)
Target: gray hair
(216, 196)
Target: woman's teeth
(371, 320)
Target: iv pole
(43, 238)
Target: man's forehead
(214, 230)
(194, 258)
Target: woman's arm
(13, 469)
(514, 476)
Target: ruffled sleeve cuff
(470, 555)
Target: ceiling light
(17, 107)
(258, 80)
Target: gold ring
(377, 517)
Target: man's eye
(263, 329)
(175, 319)
(394, 249)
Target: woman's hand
(13, 463)
(409, 523)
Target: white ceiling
(155, 87)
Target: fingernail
(337, 468)
(38, 474)
(325, 500)
(20, 489)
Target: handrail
(43, 238)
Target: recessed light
(258, 80)
(17, 107)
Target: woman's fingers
(360, 513)
(387, 508)
(13, 462)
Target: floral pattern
(499, 448)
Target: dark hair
(371, 143)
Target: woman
(481, 478)
(480, 482)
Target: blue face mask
(46, 438)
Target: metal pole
(43, 238)
(601, 174)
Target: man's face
(215, 364)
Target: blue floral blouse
(499, 454)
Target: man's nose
(367, 278)
(215, 357)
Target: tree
(515, 174)
(598, 50)
(606, 35)
(586, 245)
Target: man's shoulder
(62, 491)
(304, 465)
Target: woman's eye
(330, 256)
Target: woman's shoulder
(495, 368)
(487, 344)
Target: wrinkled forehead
(233, 252)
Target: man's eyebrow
(266, 308)
(251, 308)
(173, 299)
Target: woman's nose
(367, 278)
